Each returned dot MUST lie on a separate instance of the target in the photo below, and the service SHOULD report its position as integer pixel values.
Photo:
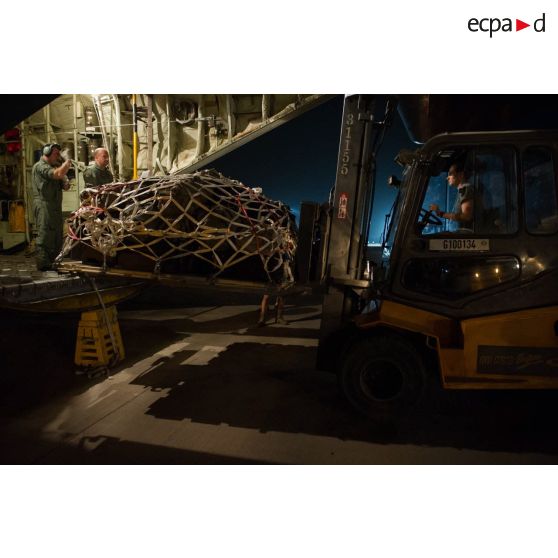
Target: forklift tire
(383, 377)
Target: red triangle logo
(519, 25)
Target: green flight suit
(47, 207)
(96, 176)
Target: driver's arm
(466, 214)
(436, 209)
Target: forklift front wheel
(383, 377)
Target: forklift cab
(469, 303)
(508, 245)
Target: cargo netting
(213, 222)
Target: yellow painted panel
(527, 328)
(413, 319)
(531, 329)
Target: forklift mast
(346, 274)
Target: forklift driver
(463, 213)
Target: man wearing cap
(98, 173)
(48, 181)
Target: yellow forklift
(464, 293)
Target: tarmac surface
(201, 383)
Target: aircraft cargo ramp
(24, 288)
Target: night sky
(297, 161)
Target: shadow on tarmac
(258, 386)
(290, 396)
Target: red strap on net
(243, 209)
